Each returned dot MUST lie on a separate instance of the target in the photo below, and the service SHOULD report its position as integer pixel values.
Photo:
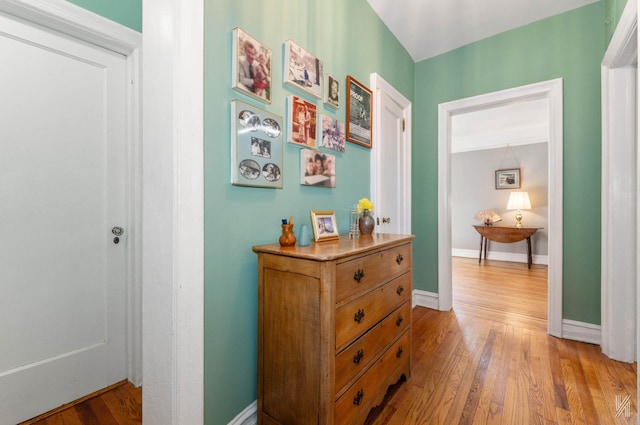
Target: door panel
(63, 181)
(390, 192)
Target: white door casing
(620, 190)
(65, 181)
(552, 91)
(391, 158)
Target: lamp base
(518, 220)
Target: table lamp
(519, 201)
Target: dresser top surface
(335, 249)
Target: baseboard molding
(501, 256)
(425, 299)
(248, 416)
(580, 331)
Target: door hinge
(403, 125)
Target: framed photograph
(302, 70)
(331, 134)
(317, 168)
(508, 179)
(256, 147)
(324, 225)
(251, 66)
(302, 122)
(331, 92)
(359, 108)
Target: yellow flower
(365, 204)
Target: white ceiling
(428, 28)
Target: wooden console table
(505, 235)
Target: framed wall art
(331, 133)
(302, 120)
(251, 66)
(256, 147)
(331, 91)
(359, 108)
(508, 179)
(324, 225)
(302, 70)
(317, 168)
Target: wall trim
(249, 416)
(552, 91)
(501, 256)
(581, 331)
(425, 299)
(619, 222)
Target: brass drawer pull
(358, 275)
(359, 316)
(399, 352)
(399, 320)
(399, 259)
(358, 398)
(358, 356)
(400, 289)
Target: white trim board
(551, 91)
(501, 256)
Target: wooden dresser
(334, 328)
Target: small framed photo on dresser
(324, 225)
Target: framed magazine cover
(359, 109)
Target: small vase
(366, 223)
(287, 238)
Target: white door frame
(173, 179)
(74, 21)
(619, 190)
(552, 91)
(380, 86)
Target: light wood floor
(489, 361)
(120, 405)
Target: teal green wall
(568, 46)
(125, 12)
(350, 39)
(614, 9)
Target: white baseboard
(248, 416)
(500, 256)
(580, 331)
(425, 299)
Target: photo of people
(251, 66)
(332, 92)
(256, 147)
(302, 122)
(302, 69)
(317, 168)
(332, 136)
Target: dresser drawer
(359, 355)
(358, 316)
(368, 391)
(362, 274)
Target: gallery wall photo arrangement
(256, 147)
(324, 225)
(331, 91)
(302, 70)
(317, 168)
(251, 66)
(332, 134)
(359, 109)
(302, 121)
(508, 178)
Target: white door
(392, 172)
(63, 179)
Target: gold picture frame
(325, 227)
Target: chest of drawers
(334, 328)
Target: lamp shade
(519, 201)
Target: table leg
(529, 259)
(480, 258)
(486, 246)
